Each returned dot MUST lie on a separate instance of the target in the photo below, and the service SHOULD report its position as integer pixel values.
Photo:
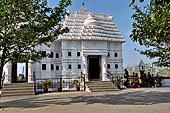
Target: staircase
(17, 89)
(101, 86)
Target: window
(52, 66)
(43, 53)
(51, 55)
(43, 66)
(116, 66)
(57, 67)
(79, 66)
(78, 53)
(116, 55)
(108, 66)
(108, 55)
(69, 53)
(69, 66)
(57, 55)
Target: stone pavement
(143, 100)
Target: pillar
(8, 73)
(104, 68)
(30, 72)
(85, 67)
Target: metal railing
(111, 77)
(115, 79)
(60, 84)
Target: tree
(164, 72)
(151, 28)
(25, 24)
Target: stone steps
(17, 94)
(104, 90)
(17, 89)
(101, 86)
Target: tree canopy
(25, 24)
(151, 28)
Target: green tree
(151, 28)
(164, 72)
(25, 24)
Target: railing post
(84, 83)
(34, 80)
(61, 84)
(35, 87)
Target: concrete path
(143, 100)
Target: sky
(122, 13)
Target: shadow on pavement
(129, 98)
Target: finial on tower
(83, 9)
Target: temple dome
(90, 20)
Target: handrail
(111, 77)
(114, 79)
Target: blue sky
(122, 13)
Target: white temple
(92, 46)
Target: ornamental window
(116, 55)
(69, 66)
(116, 66)
(108, 66)
(79, 66)
(78, 54)
(43, 66)
(57, 67)
(52, 66)
(69, 53)
(57, 55)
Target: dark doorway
(94, 68)
(20, 72)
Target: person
(152, 81)
(126, 75)
(149, 79)
(136, 75)
(133, 75)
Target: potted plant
(77, 84)
(46, 84)
(118, 81)
(135, 82)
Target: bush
(46, 84)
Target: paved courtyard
(143, 100)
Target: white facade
(91, 37)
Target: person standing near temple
(149, 79)
(126, 75)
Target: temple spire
(83, 9)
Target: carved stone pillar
(85, 67)
(30, 72)
(104, 68)
(8, 73)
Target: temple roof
(91, 26)
(141, 63)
